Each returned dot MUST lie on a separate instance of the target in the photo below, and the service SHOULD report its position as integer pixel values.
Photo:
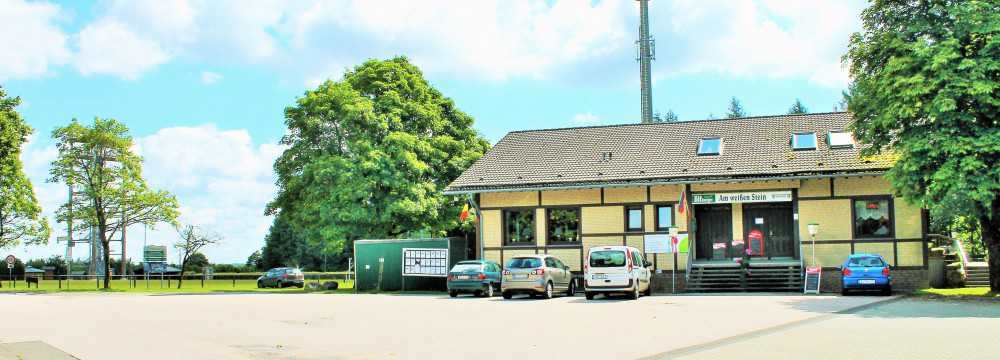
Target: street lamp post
(813, 230)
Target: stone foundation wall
(661, 282)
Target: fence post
(234, 281)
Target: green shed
(406, 264)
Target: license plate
(520, 276)
(867, 282)
(464, 277)
(600, 276)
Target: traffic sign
(11, 260)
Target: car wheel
(589, 295)
(843, 291)
(649, 290)
(635, 293)
(548, 290)
(507, 295)
(571, 290)
(260, 285)
(887, 291)
(489, 291)
(453, 293)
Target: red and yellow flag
(465, 213)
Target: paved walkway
(312, 326)
(32, 350)
(912, 329)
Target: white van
(616, 269)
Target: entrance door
(714, 233)
(774, 222)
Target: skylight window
(841, 139)
(804, 141)
(710, 146)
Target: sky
(203, 84)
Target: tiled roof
(753, 147)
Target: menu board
(812, 280)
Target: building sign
(425, 262)
(742, 197)
(154, 254)
(665, 244)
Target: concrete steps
(762, 277)
(977, 275)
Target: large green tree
(109, 193)
(369, 155)
(926, 88)
(20, 214)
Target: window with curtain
(519, 227)
(872, 218)
(563, 225)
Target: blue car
(866, 272)
(479, 277)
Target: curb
(717, 343)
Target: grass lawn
(977, 293)
(155, 286)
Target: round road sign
(11, 259)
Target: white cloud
(209, 78)
(220, 177)
(585, 119)
(109, 47)
(32, 44)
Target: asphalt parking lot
(313, 326)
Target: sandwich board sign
(812, 280)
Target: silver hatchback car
(536, 275)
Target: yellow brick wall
(492, 233)
(592, 241)
(502, 199)
(665, 192)
(827, 255)
(884, 249)
(681, 220)
(540, 222)
(907, 218)
(833, 217)
(814, 188)
(570, 257)
(737, 221)
(649, 217)
(746, 186)
(511, 253)
(571, 197)
(603, 219)
(868, 185)
(910, 253)
(634, 241)
(493, 255)
(666, 261)
(625, 194)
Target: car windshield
(607, 258)
(524, 263)
(466, 267)
(865, 261)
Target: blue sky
(203, 84)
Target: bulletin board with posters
(425, 262)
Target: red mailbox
(755, 243)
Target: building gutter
(660, 182)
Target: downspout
(479, 223)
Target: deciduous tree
(110, 192)
(369, 155)
(926, 88)
(192, 240)
(20, 214)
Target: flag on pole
(465, 213)
(681, 203)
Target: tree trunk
(991, 239)
(107, 260)
(181, 278)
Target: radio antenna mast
(645, 54)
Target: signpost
(10, 269)
(671, 243)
